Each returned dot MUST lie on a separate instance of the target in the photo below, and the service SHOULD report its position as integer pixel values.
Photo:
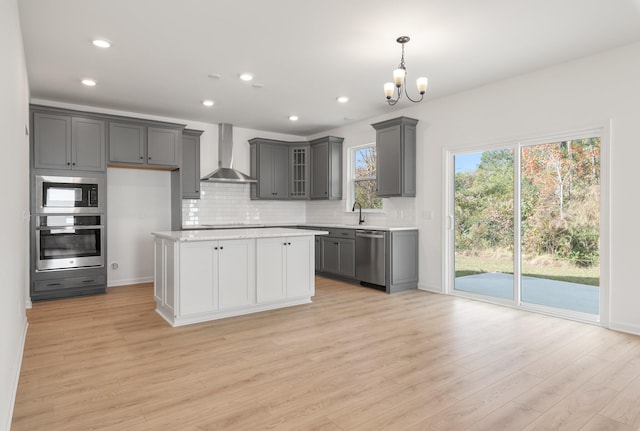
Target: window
(363, 177)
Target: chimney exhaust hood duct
(225, 172)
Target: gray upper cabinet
(296, 170)
(66, 142)
(127, 143)
(299, 172)
(270, 166)
(396, 157)
(326, 168)
(190, 171)
(138, 144)
(163, 146)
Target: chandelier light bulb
(388, 89)
(422, 83)
(398, 76)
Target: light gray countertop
(223, 234)
(360, 227)
(304, 225)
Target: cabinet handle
(288, 243)
(215, 248)
(141, 157)
(68, 163)
(54, 284)
(88, 281)
(336, 243)
(221, 248)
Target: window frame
(351, 192)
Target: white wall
(579, 94)
(138, 204)
(14, 175)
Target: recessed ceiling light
(246, 76)
(257, 85)
(89, 82)
(102, 43)
(293, 117)
(207, 103)
(343, 99)
(215, 76)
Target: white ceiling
(304, 53)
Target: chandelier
(400, 80)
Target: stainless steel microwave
(59, 195)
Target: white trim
(432, 289)
(602, 129)
(14, 391)
(128, 281)
(238, 311)
(629, 328)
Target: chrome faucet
(360, 218)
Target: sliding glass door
(484, 228)
(525, 225)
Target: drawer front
(69, 283)
(342, 233)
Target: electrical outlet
(114, 265)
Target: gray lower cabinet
(326, 168)
(139, 144)
(67, 142)
(190, 170)
(338, 251)
(318, 255)
(396, 157)
(270, 166)
(62, 284)
(402, 261)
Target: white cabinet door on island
(285, 268)
(206, 275)
(219, 275)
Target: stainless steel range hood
(225, 172)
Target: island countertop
(224, 234)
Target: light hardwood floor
(355, 359)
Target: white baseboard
(14, 392)
(625, 327)
(125, 282)
(433, 289)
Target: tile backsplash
(222, 203)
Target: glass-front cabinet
(299, 172)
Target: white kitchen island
(202, 275)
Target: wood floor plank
(355, 358)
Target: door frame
(601, 129)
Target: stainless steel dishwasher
(370, 256)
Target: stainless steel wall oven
(69, 241)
